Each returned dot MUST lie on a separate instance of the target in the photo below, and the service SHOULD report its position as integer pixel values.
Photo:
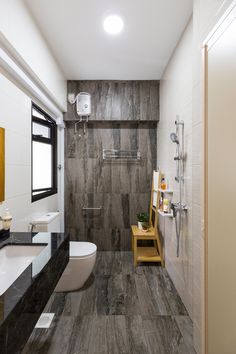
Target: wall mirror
(2, 164)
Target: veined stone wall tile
(118, 100)
(121, 188)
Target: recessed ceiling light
(113, 24)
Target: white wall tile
(176, 99)
(15, 117)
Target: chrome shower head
(174, 138)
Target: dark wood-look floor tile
(127, 263)
(156, 286)
(185, 325)
(120, 309)
(61, 339)
(81, 335)
(116, 264)
(116, 334)
(98, 338)
(72, 303)
(39, 341)
(108, 263)
(56, 339)
(88, 299)
(148, 305)
(132, 304)
(162, 335)
(176, 305)
(116, 295)
(135, 332)
(102, 302)
(56, 303)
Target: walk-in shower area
(109, 165)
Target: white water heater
(83, 104)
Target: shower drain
(45, 320)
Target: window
(44, 154)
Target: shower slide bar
(132, 155)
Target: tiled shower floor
(120, 311)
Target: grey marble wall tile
(126, 240)
(102, 240)
(117, 214)
(129, 137)
(125, 177)
(115, 239)
(118, 100)
(127, 100)
(138, 203)
(123, 189)
(149, 100)
(116, 136)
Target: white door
(220, 192)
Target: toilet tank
(49, 222)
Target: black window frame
(51, 124)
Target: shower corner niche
(168, 215)
(163, 192)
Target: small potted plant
(143, 221)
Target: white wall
(22, 39)
(15, 117)
(176, 99)
(176, 90)
(206, 14)
(18, 27)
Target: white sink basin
(13, 261)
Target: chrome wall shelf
(124, 155)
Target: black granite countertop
(30, 291)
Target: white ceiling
(74, 32)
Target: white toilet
(80, 266)
(82, 255)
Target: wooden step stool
(154, 253)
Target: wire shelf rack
(121, 155)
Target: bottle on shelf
(163, 183)
(166, 206)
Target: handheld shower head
(174, 138)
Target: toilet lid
(82, 249)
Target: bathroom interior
(117, 137)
